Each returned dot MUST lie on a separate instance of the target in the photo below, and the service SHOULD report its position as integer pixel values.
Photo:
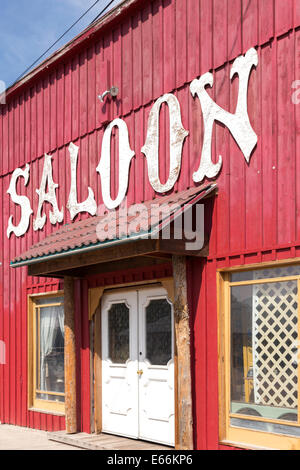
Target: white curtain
(61, 319)
(49, 316)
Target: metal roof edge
(75, 251)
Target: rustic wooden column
(70, 356)
(182, 338)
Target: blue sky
(29, 27)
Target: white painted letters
(238, 123)
(22, 201)
(50, 196)
(125, 156)
(151, 147)
(75, 207)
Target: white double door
(138, 365)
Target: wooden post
(70, 356)
(182, 338)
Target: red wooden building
(140, 336)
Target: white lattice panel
(275, 328)
(280, 271)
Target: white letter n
(238, 123)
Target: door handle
(140, 372)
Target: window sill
(242, 445)
(46, 412)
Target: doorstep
(103, 442)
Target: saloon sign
(238, 123)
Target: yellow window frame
(33, 343)
(232, 435)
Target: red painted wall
(159, 47)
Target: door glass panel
(118, 333)
(159, 332)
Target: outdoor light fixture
(113, 92)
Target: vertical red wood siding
(157, 47)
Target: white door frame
(176, 287)
(118, 295)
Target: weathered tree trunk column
(182, 337)
(70, 356)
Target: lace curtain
(50, 318)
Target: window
(259, 360)
(46, 353)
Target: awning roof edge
(191, 197)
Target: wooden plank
(97, 372)
(46, 115)
(220, 32)
(268, 106)
(104, 442)
(169, 46)
(182, 335)
(220, 235)
(92, 100)
(297, 127)
(16, 133)
(83, 92)
(103, 83)
(234, 28)
(212, 411)
(60, 123)
(199, 293)
(179, 247)
(113, 253)
(68, 102)
(283, 16)
(286, 171)
(75, 98)
(206, 35)
(79, 318)
(53, 114)
(222, 309)
(28, 124)
(147, 53)
(85, 362)
(180, 51)
(117, 72)
(253, 173)
(266, 20)
(249, 24)
(11, 140)
(5, 157)
(137, 59)
(128, 79)
(70, 357)
(125, 250)
(193, 40)
(237, 170)
(296, 14)
(157, 34)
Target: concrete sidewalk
(18, 438)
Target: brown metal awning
(77, 246)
